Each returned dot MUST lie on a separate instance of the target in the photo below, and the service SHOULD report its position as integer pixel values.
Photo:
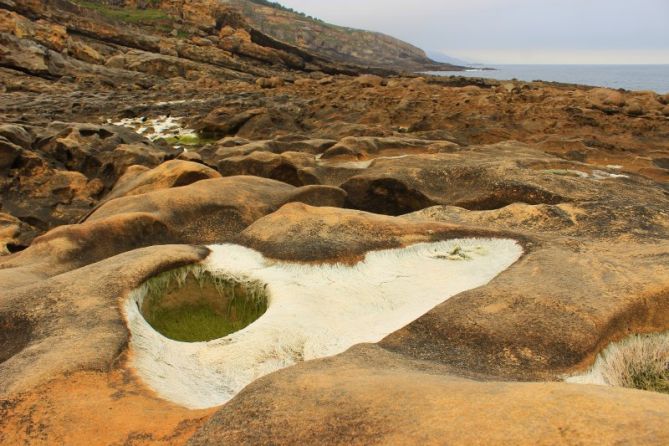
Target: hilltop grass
(128, 15)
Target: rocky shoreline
(128, 150)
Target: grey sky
(514, 31)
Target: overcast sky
(513, 31)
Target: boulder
(300, 232)
(68, 324)
(230, 204)
(292, 168)
(15, 235)
(272, 82)
(24, 55)
(175, 173)
(370, 396)
(226, 121)
(9, 152)
(397, 185)
(606, 99)
(635, 107)
(45, 197)
(98, 151)
(17, 134)
(370, 81)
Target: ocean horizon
(628, 77)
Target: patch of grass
(650, 378)
(193, 323)
(638, 362)
(129, 15)
(457, 253)
(193, 305)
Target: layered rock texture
(139, 140)
(342, 44)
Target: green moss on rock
(193, 305)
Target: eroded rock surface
(130, 138)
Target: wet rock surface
(128, 145)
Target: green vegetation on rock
(279, 6)
(129, 15)
(651, 378)
(637, 362)
(193, 305)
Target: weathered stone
(9, 152)
(576, 175)
(370, 81)
(272, 82)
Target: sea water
(628, 77)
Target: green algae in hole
(192, 305)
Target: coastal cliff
(363, 256)
(338, 43)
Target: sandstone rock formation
(241, 140)
(338, 43)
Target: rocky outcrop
(55, 175)
(326, 188)
(347, 45)
(175, 173)
(367, 396)
(229, 204)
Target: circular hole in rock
(14, 336)
(193, 305)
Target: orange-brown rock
(330, 162)
(369, 396)
(14, 234)
(229, 204)
(173, 173)
(295, 168)
(272, 82)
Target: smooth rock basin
(313, 311)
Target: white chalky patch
(313, 311)
(595, 175)
(362, 164)
(601, 175)
(154, 128)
